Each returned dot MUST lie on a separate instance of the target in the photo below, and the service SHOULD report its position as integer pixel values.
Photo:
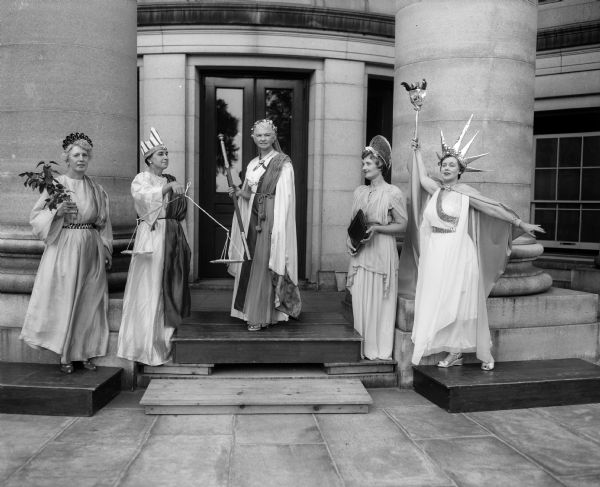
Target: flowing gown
(68, 308)
(373, 273)
(146, 326)
(448, 295)
(266, 288)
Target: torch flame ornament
(417, 93)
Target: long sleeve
(45, 224)
(106, 232)
(148, 198)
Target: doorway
(231, 104)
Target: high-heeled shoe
(450, 360)
(89, 365)
(67, 368)
(487, 365)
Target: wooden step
(43, 389)
(266, 396)
(214, 337)
(511, 385)
(271, 371)
(222, 317)
(174, 369)
(361, 367)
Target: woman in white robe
(266, 287)
(373, 271)
(156, 297)
(67, 312)
(464, 243)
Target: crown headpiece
(150, 146)
(265, 121)
(381, 148)
(458, 153)
(74, 137)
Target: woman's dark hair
(461, 169)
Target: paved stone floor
(403, 441)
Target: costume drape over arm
(283, 258)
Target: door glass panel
(278, 107)
(230, 113)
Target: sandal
(89, 365)
(67, 368)
(487, 365)
(450, 360)
(254, 327)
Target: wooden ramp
(511, 385)
(264, 396)
(43, 389)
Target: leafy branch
(45, 180)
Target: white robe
(144, 336)
(68, 309)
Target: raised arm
(427, 183)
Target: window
(566, 189)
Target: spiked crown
(150, 146)
(458, 153)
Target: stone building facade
(328, 71)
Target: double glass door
(230, 107)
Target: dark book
(357, 229)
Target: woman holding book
(373, 272)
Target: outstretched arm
(505, 215)
(427, 183)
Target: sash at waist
(442, 230)
(80, 226)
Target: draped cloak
(491, 236)
(157, 296)
(271, 209)
(68, 308)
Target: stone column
(477, 59)
(66, 66)
(343, 141)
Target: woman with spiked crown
(373, 273)
(266, 287)
(464, 244)
(67, 312)
(157, 295)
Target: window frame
(561, 244)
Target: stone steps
(43, 389)
(266, 396)
(511, 385)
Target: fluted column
(67, 66)
(478, 58)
